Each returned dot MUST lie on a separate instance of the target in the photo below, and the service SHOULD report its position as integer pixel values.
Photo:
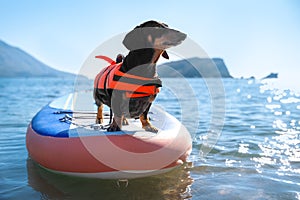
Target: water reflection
(173, 185)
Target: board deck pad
(84, 111)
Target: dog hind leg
(125, 122)
(146, 122)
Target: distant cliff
(195, 67)
(272, 75)
(15, 62)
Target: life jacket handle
(107, 59)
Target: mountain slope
(15, 62)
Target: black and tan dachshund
(130, 87)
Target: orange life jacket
(134, 86)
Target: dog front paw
(150, 128)
(147, 125)
(113, 127)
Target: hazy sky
(254, 37)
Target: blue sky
(253, 37)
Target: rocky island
(195, 68)
(272, 75)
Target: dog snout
(181, 36)
(174, 38)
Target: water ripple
(257, 155)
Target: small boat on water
(62, 137)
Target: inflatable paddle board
(63, 137)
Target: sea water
(246, 143)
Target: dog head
(155, 35)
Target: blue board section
(47, 123)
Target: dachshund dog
(130, 87)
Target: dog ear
(135, 39)
(165, 55)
